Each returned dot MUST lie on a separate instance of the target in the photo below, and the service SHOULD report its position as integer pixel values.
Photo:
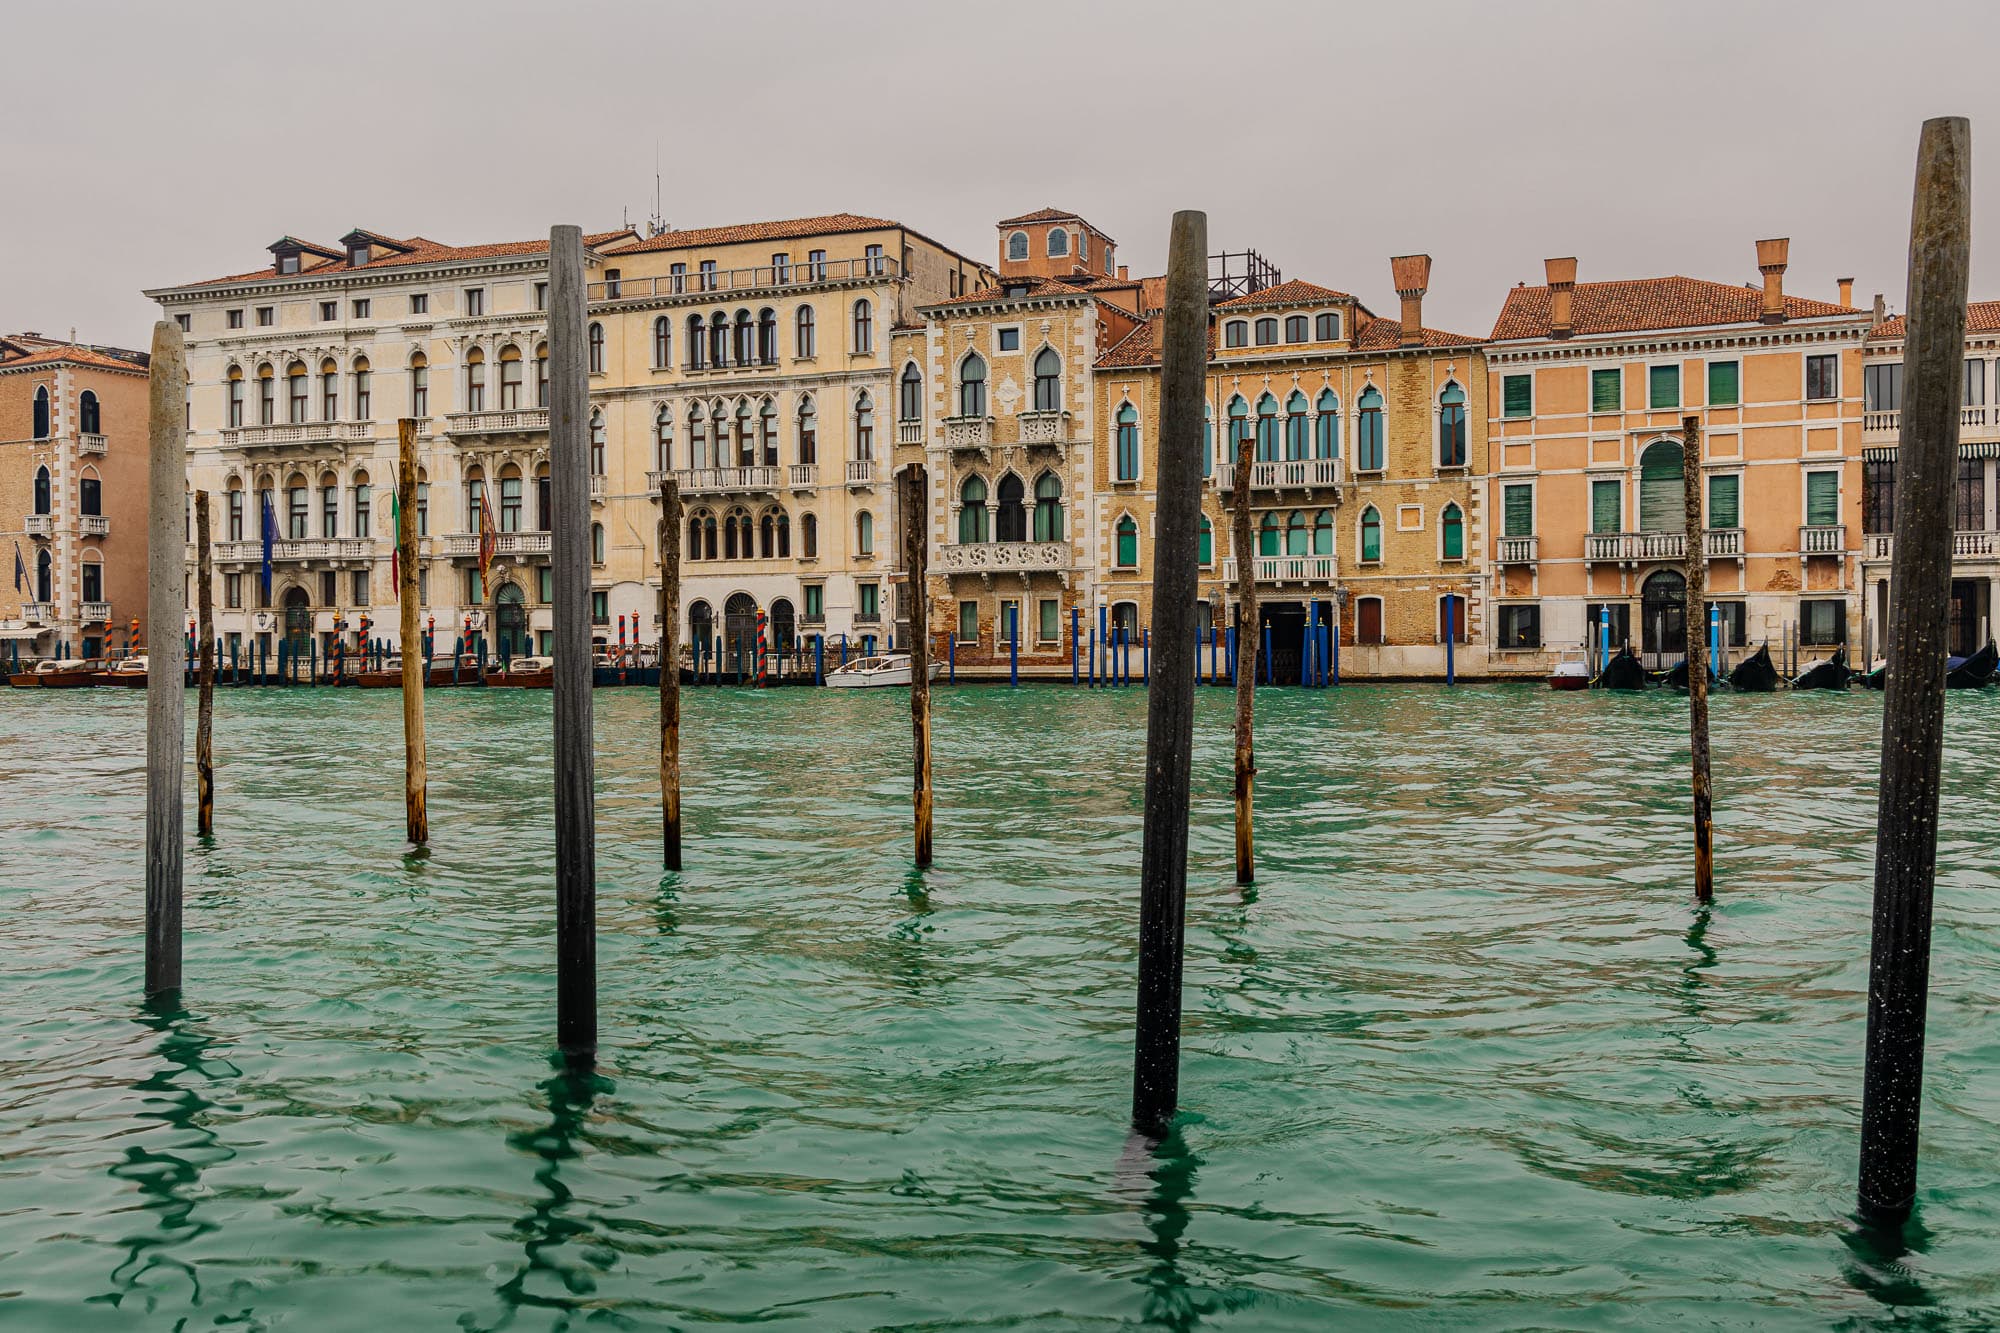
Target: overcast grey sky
(154, 143)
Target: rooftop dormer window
(288, 262)
(357, 255)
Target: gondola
(1971, 673)
(1878, 679)
(1755, 674)
(1676, 676)
(1832, 674)
(1623, 672)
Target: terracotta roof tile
(75, 355)
(1295, 292)
(998, 292)
(1378, 335)
(1980, 317)
(1040, 215)
(418, 250)
(829, 224)
(1139, 348)
(1638, 304)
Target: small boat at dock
(1832, 674)
(888, 669)
(1974, 672)
(1571, 671)
(129, 673)
(1878, 678)
(66, 674)
(1755, 674)
(1623, 672)
(525, 673)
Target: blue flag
(270, 536)
(20, 569)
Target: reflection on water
(1467, 1056)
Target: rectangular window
(328, 594)
(1606, 510)
(1724, 384)
(1822, 499)
(185, 322)
(708, 275)
(1663, 386)
(815, 602)
(361, 308)
(1521, 625)
(1823, 376)
(1882, 387)
(232, 591)
(1725, 509)
(1735, 618)
(329, 311)
(360, 587)
(816, 261)
(1517, 395)
(1971, 494)
(600, 607)
(1621, 623)
(420, 303)
(235, 319)
(677, 277)
(1517, 503)
(968, 622)
(1010, 340)
(1975, 381)
(871, 604)
(545, 584)
(266, 316)
(1048, 620)
(475, 300)
(1607, 390)
(329, 511)
(472, 588)
(873, 254)
(1823, 623)
(1007, 629)
(1878, 495)
(542, 296)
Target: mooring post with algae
(1170, 703)
(1246, 658)
(1697, 658)
(166, 687)
(670, 671)
(916, 555)
(575, 773)
(204, 713)
(1913, 707)
(416, 666)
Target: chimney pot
(1881, 312)
(1846, 291)
(1412, 276)
(1123, 272)
(1562, 282)
(1772, 256)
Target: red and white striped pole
(761, 680)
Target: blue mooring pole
(1146, 656)
(951, 657)
(1270, 669)
(1075, 667)
(819, 659)
(1715, 642)
(1450, 639)
(1093, 659)
(1604, 635)
(1104, 645)
(1307, 639)
(1014, 646)
(1229, 652)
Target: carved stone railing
(510, 422)
(1044, 427)
(1518, 550)
(1003, 557)
(968, 432)
(302, 432)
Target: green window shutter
(1723, 390)
(1662, 497)
(1454, 535)
(1371, 536)
(1606, 390)
(1822, 499)
(1048, 614)
(1519, 505)
(1205, 547)
(1665, 386)
(968, 622)
(1519, 391)
(1604, 509)
(1725, 502)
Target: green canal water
(1467, 1057)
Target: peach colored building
(1590, 381)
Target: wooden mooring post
(916, 564)
(1696, 617)
(1246, 661)
(416, 665)
(166, 668)
(1913, 708)
(1170, 703)
(204, 713)
(576, 813)
(670, 671)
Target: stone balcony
(1043, 427)
(991, 558)
(1285, 474)
(1517, 550)
(1970, 545)
(724, 480)
(460, 545)
(971, 433)
(512, 421)
(599, 488)
(92, 444)
(1638, 548)
(1280, 569)
(860, 472)
(1823, 539)
(96, 613)
(94, 525)
(279, 436)
(39, 525)
(909, 432)
(313, 548)
(38, 613)
(1980, 422)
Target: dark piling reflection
(551, 1225)
(1157, 1176)
(1877, 1265)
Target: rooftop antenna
(656, 224)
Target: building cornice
(1655, 342)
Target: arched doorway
(510, 607)
(783, 624)
(1663, 613)
(739, 628)
(298, 620)
(701, 627)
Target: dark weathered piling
(204, 713)
(670, 671)
(1170, 705)
(1246, 665)
(1913, 709)
(916, 564)
(166, 687)
(1697, 658)
(416, 776)
(576, 817)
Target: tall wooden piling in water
(1170, 703)
(204, 714)
(1246, 663)
(670, 671)
(166, 687)
(1697, 658)
(1913, 709)
(416, 668)
(916, 564)
(576, 812)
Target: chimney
(1123, 273)
(1881, 314)
(1771, 256)
(1412, 276)
(1846, 291)
(1562, 284)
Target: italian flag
(396, 525)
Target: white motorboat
(887, 669)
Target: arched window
(90, 496)
(1058, 242)
(1267, 330)
(235, 397)
(746, 339)
(697, 345)
(767, 337)
(329, 505)
(1451, 426)
(364, 390)
(297, 507)
(420, 385)
(1127, 542)
(701, 625)
(1270, 536)
(910, 394)
(1452, 529)
(597, 459)
(597, 543)
(1239, 424)
(698, 455)
(596, 340)
(364, 499)
(767, 433)
(541, 374)
(1010, 524)
(1207, 439)
(1236, 333)
(297, 392)
(1295, 426)
(784, 534)
(1128, 442)
(1326, 328)
(1048, 508)
(1371, 535)
(1326, 427)
(1204, 545)
(718, 340)
(510, 499)
(545, 511)
(694, 537)
(42, 423)
(1662, 506)
(730, 550)
(767, 536)
(1323, 532)
(1368, 444)
(972, 387)
(663, 439)
(329, 390)
(267, 395)
(808, 430)
(1267, 428)
(1017, 245)
(804, 333)
(44, 496)
(864, 426)
(809, 536)
(1048, 380)
(475, 492)
(1295, 328)
(972, 510)
(1298, 539)
(510, 378)
(475, 380)
(88, 421)
(663, 343)
(864, 533)
(864, 326)
(45, 577)
(708, 547)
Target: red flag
(488, 537)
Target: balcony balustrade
(1003, 557)
(728, 480)
(38, 613)
(1978, 418)
(909, 432)
(1724, 543)
(805, 476)
(760, 278)
(599, 487)
(92, 444)
(461, 544)
(40, 525)
(1287, 569)
(1518, 550)
(1823, 539)
(968, 432)
(284, 434)
(94, 525)
(1972, 544)
(512, 421)
(860, 472)
(1043, 427)
(1285, 474)
(316, 548)
(96, 613)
